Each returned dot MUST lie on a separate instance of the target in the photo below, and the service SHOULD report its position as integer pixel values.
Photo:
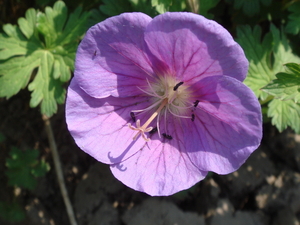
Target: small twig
(58, 171)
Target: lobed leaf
(27, 25)
(74, 29)
(163, 6)
(282, 51)
(287, 85)
(205, 6)
(42, 49)
(284, 114)
(40, 169)
(12, 212)
(15, 74)
(249, 7)
(293, 24)
(258, 54)
(114, 7)
(23, 167)
(45, 87)
(143, 6)
(266, 59)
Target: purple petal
(158, 169)
(193, 46)
(227, 126)
(111, 59)
(99, 126)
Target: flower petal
(227, 126)
(111, 58)
(193, 46)
(158, 169)
(99, 126)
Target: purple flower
(162, 100)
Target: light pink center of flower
(168, 97)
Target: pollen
(169, 97)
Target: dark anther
(95, 52)
(193, 117)
(177, 86)
(167, 136)
(196, 103)
(132, 116)
(153, 130)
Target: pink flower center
(168, 97)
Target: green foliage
(42, 2)
(285, 109)
(23, 167)
(284, 114)
(205, 6)
(11, 212)
(258, 53)
(249, 7)
(115, 7)
(144, 6)
(41, 50)
(287, 84)
(293, 24)
(163, 6)
(267, 59)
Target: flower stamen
(132, 116)
(167, 136)
(143, 129)
(177, 86)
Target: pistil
(142, 129)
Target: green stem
(58, 170)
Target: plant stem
(58, 170)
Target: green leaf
(115, 7)
(23, 167)
(293, 24)
(261, 69)
(163, 6)
(27, 25)
(258, 54)
(45, 87)
(73, 30)
(143, 6)
(16, 73)
(266, 59)
(282, 51)
(287, 85)
(205, 6)
(42, 50)
(40, 169)
(249, 7)
(12, 212)
(14, 43)
(284, 114)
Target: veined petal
(180, 77)
(99, 126)
(193, 46)
(111, 59)
(158, 169)
(227, 126)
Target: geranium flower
(162, 100)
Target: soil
(265, 190)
